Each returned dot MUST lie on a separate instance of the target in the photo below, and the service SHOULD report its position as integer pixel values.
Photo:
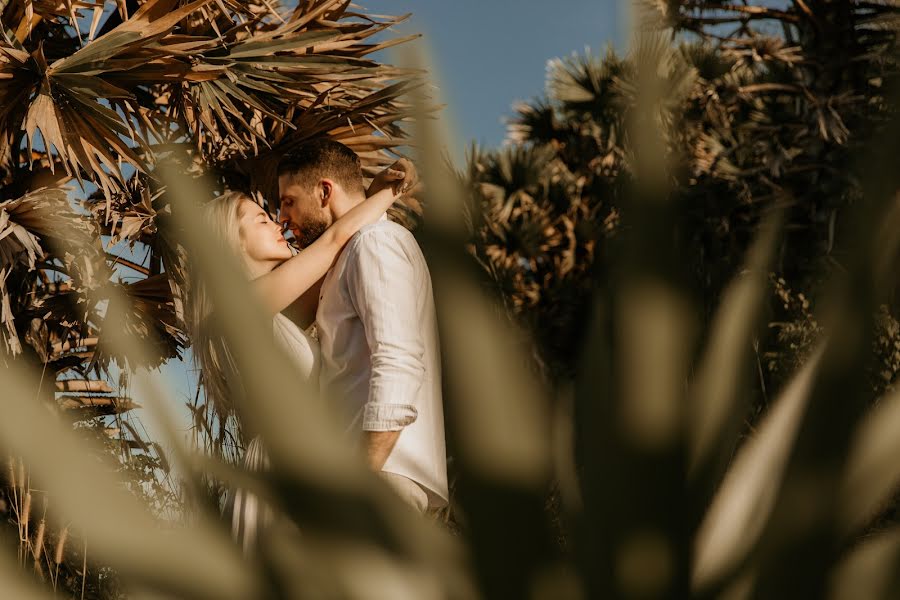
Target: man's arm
(379, 445)
(384, 286)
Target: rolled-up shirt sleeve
(383, 287)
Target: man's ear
(326, 190)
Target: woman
(279, 278)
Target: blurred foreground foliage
(645, 248)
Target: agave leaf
(14, 583)
(869, 570)
(495, 407)
(499, 412)
(715, 413)
(872, 473)
(200, 563)
(739, 511)
(887, 260)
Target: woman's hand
(401, 177)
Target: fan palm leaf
(233, 91)
(584, 83)
(536, 122)
(29, 228)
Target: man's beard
(309, 232)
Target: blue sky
(486, 56)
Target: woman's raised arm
(288, 281)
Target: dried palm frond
(103, 95)
(144, 310)
(32, 226)
(83, 408)
(584, 84)
(235, 88)
(534, 121)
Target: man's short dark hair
(323, 159)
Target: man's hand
(378, 447)
(401, 176)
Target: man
(376, 325)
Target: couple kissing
(363, 281)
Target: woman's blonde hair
(212, 356)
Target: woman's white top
(303, 349)
(247, 511)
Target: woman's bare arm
(303, 310)
(288, 281)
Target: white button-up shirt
(380, 357)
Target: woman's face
(261, 238)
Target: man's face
(303, 210)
